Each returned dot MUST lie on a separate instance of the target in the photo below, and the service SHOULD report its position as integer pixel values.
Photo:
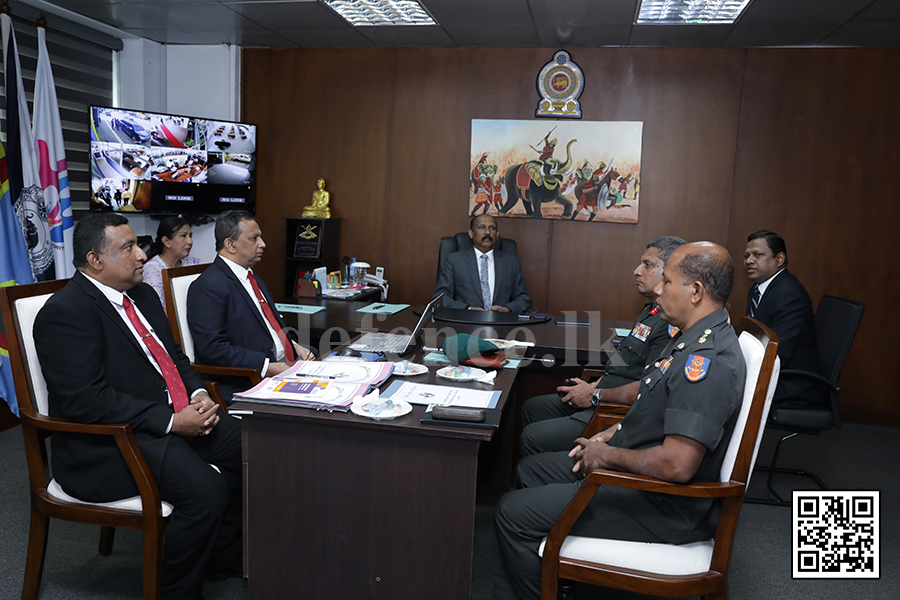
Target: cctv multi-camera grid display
(160, 163)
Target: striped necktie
(754, 300)
(485, 283)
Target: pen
(377, 307)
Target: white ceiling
(547, 23)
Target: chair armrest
(216, 394)
(714, 489)
(591, 375)
(613, 408)
(252, 374)
(126, 443)
(39, 421)
(600, 421)
(565, 522)
(811, 375)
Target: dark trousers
(204, 529)
(551, 425)
(525, 516)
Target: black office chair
(462, 241)
(837, 320)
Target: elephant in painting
(536, 182)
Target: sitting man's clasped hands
(198, 418)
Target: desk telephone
(374, 280)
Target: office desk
(571, 346)
(339, 506)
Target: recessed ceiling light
(381, 12)
(690, 12)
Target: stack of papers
(329, 386)
(442, 395)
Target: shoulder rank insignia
(696, 368)
(641, 331)
(664, 365)
(673, 331)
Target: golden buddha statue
(319, 207)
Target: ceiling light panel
(690, 12)
(360, 13)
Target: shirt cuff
(171, 421)
(265, 367)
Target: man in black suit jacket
(98, 371)
(226, 319)
(779, 300)
(462, 282)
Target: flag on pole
(51, 153)
(14, 270)
(25, 190)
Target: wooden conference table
(340, 321)
(339, 506)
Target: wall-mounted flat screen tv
(165, 164)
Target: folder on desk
(321, 394)
(320, 385)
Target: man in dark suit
(230, 311)
(779, 300)
(108, 356)
(482, 278)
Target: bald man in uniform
(677, 430)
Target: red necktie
(270, 317)
(162, 358)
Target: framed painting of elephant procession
(578, 170)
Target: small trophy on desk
(319, 207)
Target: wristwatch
(596, 398)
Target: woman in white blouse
(171, 249)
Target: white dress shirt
(765, 284)
(241, 273)
(116, 298)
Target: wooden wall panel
(321, 113)
(437, 94)
(689, 103)
(800, 141)
(817, 163)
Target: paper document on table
(303, 309)
(382, 308)
(372, 373)
(308, 393)
(443, 395)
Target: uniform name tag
(641, 331)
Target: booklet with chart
(328, 386)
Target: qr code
(836, 535)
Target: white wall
(198, 81)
